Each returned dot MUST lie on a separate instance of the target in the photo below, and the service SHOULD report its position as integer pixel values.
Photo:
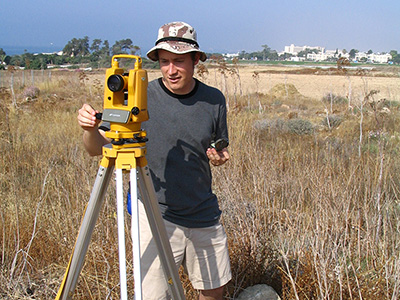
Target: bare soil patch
(313, 82)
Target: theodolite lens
(115, 83)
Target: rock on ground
(259, 292)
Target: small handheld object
(220, 144)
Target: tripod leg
(121, 235)
(135, 235)
(159, 232)
(85, 233)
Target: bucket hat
(178, 38)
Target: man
(185, 116)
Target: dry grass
(310, 207)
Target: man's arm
(93, 138)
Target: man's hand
(218, 158)
(93, 138)
(87, 118)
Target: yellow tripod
(126, 153)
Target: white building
(373, 57)
(317, 56)
(380, 58)
(231, 55)
(296, 58)
(361, 55)
(294, 50)
(323, 54)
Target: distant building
(323, 55)
(329, 54)
(294, 50)
(230, 55)
(296, 58)
(373, 57)
(59, 53)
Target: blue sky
(222, 26)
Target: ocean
(18, 50)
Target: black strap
(177, 39)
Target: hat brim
(175, 47)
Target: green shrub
(300, 126)
(334, 121)
(279, 125)
(392, 104)
(31, 92)
(335, 99)
(274, 125)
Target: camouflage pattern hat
(178, 38)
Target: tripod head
(125, 102)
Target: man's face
(177, 71)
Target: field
(310, 197)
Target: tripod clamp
(136, 139)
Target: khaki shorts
(203, 252)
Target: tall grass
(303, 210)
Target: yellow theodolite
(125, 99)
(125, 108)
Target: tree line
(76, 52)
(98, 54)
